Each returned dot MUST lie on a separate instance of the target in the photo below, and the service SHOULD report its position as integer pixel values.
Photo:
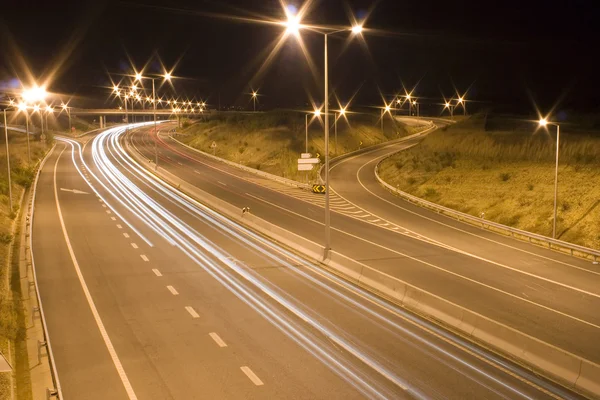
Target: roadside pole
(8, 163)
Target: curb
(556, 364)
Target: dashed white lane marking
(144, 257)
(221, 183)
(104, 205)
(100, 200)
(364, 215)
(126, 235)
(172, 290)
(192, 312)
(119, 226)
(156, 272)
(113, 218)
(107, 342)
(252, 376)
(218, 339)
(135, 246)
(108, 212)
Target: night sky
(504, 51)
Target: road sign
(308, 161)
(305, 167)
(318, 155)
(305, 155)
(319, 189)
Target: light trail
(243, 282)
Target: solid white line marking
(218, 339)
(144, 257)
(252, 376)
(449, 272)
(156, 272)
(111, 350)
(172, 290)
(192, 312)
(135, 246)
(126, 235)
(119, 226)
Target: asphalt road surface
(149, 294)
(545, 294)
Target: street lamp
(337, 116)
(462, 102)
(416, 106)
(316, 113)
(293, 27)
(68, 111)
(8, 162)
(384, 110)
(254, 94)
(23, 107)
(544, 122)
(166, 77)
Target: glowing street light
(450, 107)
(315, 113)
(341, 112)
(357, 29)
(544, 123)
(254, 95)
(461, 100)
(293, 26)
(36, 93)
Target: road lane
(274, 268)
(545, 309)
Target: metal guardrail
(56, 391)
(254, 171)
(460, 216)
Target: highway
(149, 294)
(545, 294)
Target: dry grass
(508, 175)
(11, 317)
(273, 141)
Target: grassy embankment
(12, 322)
(273, 141)
(507, 172)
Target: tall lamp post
(384, 110)
(254, 95)
(8, 162)
(463, 103)
(450, 107)
(316, 113)
(293, 26)
(23, 107)
(544, 122)
(337, 116)
(166, 77)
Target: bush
(504, 177)
(530, 186)
(431, 192)
(5, 238)
(411, 181)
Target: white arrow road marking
(74, 191)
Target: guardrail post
(50, 393)
(40, 345)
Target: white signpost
(305, 167)
(213, 146)
(306, 162)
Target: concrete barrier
(556, 364)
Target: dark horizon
(503, 55)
